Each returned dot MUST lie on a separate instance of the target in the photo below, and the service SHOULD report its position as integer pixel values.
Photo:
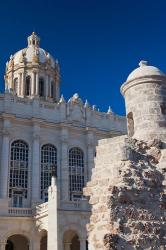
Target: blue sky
(97, 42)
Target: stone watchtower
(128, 185)
(145, 98)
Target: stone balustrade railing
(75, 205)
(42, 209)
(13, 211)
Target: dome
(144, 71)
(33, 53)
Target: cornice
(141, 80)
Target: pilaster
(3, 244)
(5, 160)
(64, 165)
(35, 244)
(82, 244)
(37, 83)
(90, 153)
(36, 165)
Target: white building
(40, 132)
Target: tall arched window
(18, 184)
(15, 85)
(28, 86)
(76, 173)
(48, 161)
(41, 87)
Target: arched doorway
(75, 244)
(17, 242)
(43, 243)
(71, 240)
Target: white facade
(41, 132)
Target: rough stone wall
(128, 195)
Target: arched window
(18, 184)
(28, 86)
(52, 90)
(41, 87)
(76, 173)
(15, 85)
(48, 161)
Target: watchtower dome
(32, 71)
(145, 99)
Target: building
(130, 212)
(42, 134)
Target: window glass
(48, 162)
(76, 173)
(18, 181)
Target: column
(47, 86)
(19, 84)
(23, 84)
(57, 91)
(37, 83)
(64, 165)
(67, 246)
(4, 164)
(36, 166)
(82, 244)
(33, 84)
(11, 79)
(35, 244)
(2, 244)
(50, 88)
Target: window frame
(19, 168)
(46, 165)
(76, 162)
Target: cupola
(33, 40)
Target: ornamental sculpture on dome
(143, 63)
(22, 57)
(11, 63)
(35, 57)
